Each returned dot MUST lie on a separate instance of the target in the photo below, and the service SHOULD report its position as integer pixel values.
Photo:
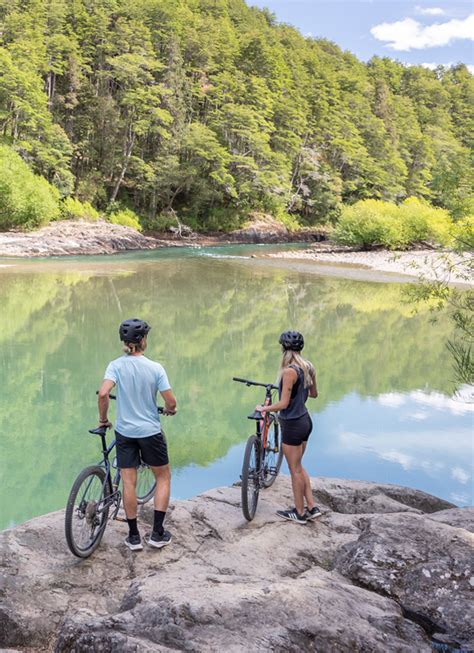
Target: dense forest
(212, 109)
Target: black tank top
(296, 408)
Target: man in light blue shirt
(139, 436)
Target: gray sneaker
(314, 513)
(159, 541)
(292, 515)
(134, 542)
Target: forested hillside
(213, 109)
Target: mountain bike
(263, 453)
(96, 492)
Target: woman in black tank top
(297, 382)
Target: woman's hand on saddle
(261, 409)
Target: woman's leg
(293, 455)
(308, 491)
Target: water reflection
(420, 438)
(211, 319)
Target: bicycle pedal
(117, 518)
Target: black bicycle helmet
(292, 340)
(133, 330)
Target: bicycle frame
(114, 495)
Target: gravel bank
(430, 264)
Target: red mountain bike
(263, 453)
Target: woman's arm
(288, 381)
(313, 389)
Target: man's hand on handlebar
(108, 424)
(168, 411)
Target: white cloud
(429, 11)
(409, 34)
(438, 401)
(460, 499)
(432, 66)
(392, 399)
(460, 474)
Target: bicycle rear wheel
(146, 484)
(250, 477)
(87, 511)
(273, 455)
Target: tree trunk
(128, 154)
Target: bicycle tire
(86, 513)
(250, 477)
(146, 484)
(272, 459)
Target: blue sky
(418, 32)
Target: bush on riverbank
(26, 200)
(73, 209)
(371, 223)
(126, 218)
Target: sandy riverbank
(433, 265)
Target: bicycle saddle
(100, 430)
(255, 415)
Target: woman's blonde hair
(291, 357)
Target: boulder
(261, 228)
(383, 569)
(73, 238)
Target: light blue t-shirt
(138, 379)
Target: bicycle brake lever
(255, 415)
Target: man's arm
(103, 400)
(170, 402)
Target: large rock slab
(352, 581)
(74, 238)
(261, 228)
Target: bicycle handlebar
(248, 383)
(160, 408)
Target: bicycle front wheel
(87, 511)
(146, 484)
(250, 477)
(273, 455)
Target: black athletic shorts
(131, 452)
(296, 431)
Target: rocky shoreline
(80, 237)
(386, 568)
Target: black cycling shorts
(296, 431)
(131, 452)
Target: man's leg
(162, 496)
(129, 480)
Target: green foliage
(73, 209)
(126, 218)
(375, 223)
(26, 200)
(214, 110)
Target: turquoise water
(385, 411)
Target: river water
(385, 412)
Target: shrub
(73, 209)
(369, 223)
(126, 218)
(26, 200)
(463, 233)
(425, 222)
